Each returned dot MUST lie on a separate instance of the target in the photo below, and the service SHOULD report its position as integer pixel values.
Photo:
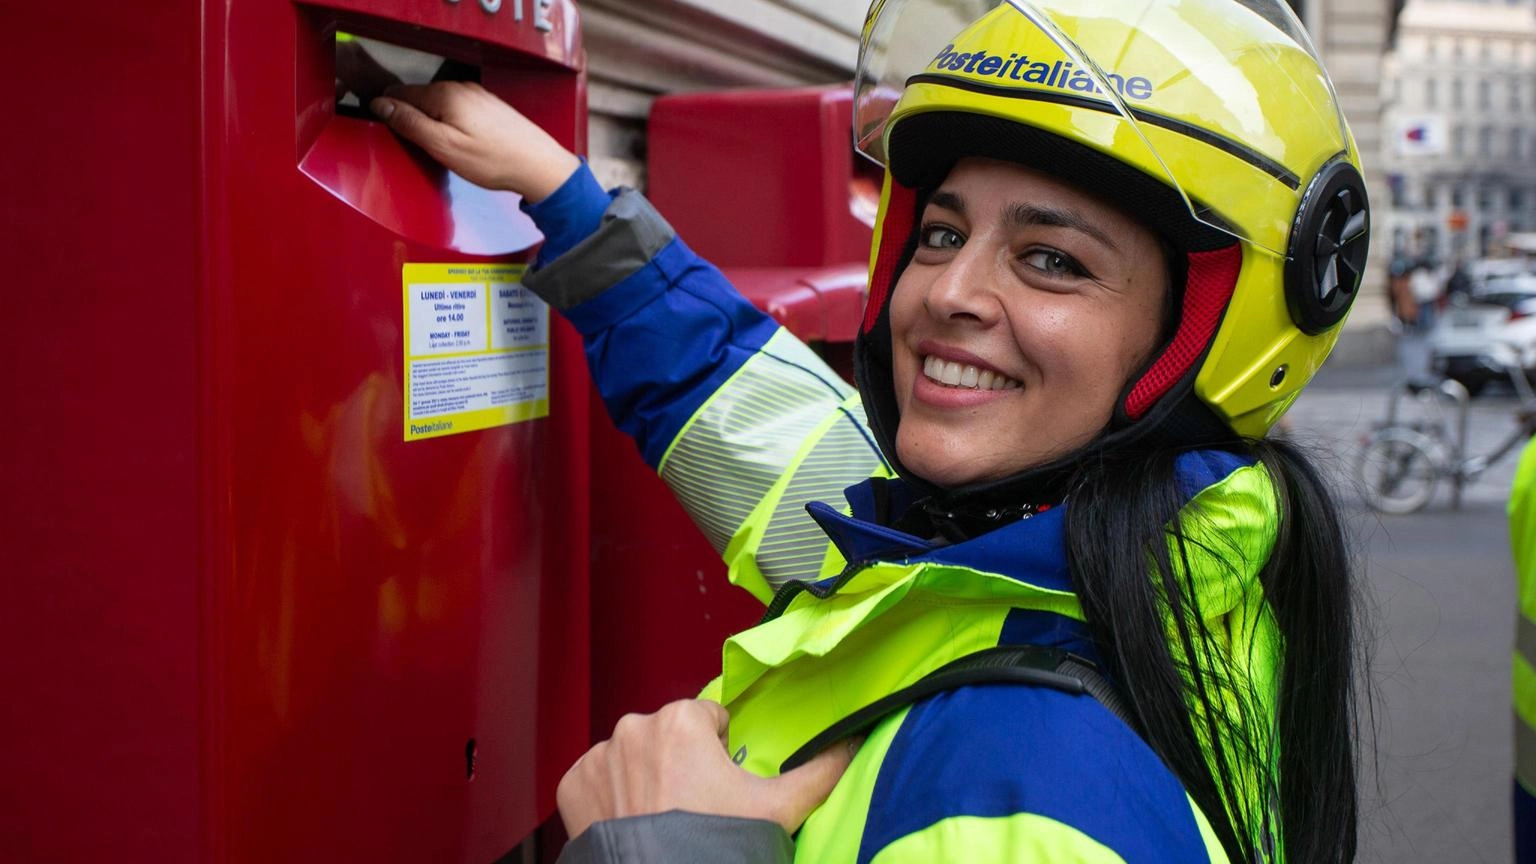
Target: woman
(1116, 239)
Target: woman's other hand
(478, 136)
(676, 759)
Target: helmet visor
(1224, 100)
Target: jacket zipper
(793, 588)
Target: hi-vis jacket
(1522, 542)
(751, 431)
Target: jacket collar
(1031, 550)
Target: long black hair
(1129, 546)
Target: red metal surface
(817, 304)
(246, 621)
(787, 158)
(791, 240)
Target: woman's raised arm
(741, 419)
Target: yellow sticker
(476, 349)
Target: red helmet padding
(1208, 288)
(899, 215)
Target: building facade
(1459, 90)
(638, 51)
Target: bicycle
(1401, 463)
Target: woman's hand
(478, 136)
(676, 759)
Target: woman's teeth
(957, 375)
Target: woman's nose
(963, 290)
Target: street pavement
(1439, 594)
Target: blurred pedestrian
(1425, 286)
(1399, 296)
(1459, 284)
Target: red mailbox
(793, 234)
(295, 474)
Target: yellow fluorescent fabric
(1020, 838)
(786, 680)
(1522, 544)
(1229, 534)
(1525, 691)
(834, 830)
(1522, 528)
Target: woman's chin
(947, 471)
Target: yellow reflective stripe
(1021, 837)
(783, 430)
(1525, 638)
(782, 346)
(1525, 755)
(1522, 529)
(793, 545)
(1523, 678)
(1213, 849)
(1524, 685)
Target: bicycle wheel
(1397, 471)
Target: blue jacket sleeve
(741, 419)
(663, 328)
(1018, 773)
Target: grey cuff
(631, 234)
(680, 836)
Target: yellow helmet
(1212, 121)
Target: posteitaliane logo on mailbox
(476, 349)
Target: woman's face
(1026, 308)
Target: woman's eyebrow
(947, 200)
(1030, 214)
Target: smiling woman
(1088, 303)
(1026, 306)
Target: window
(1485, 141)
(1516, 200)
(1514, 95)
(1484, 93)
(1459, 141)
(1458, 197)
(1456, 93)
(1431, 197)
(1484, 199)
(1431, 93)
(1516, 143)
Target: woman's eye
(1052, 263)
(939, 237)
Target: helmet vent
(1328, 247)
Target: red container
(798, 195)
(246, 620)
(794, 237)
